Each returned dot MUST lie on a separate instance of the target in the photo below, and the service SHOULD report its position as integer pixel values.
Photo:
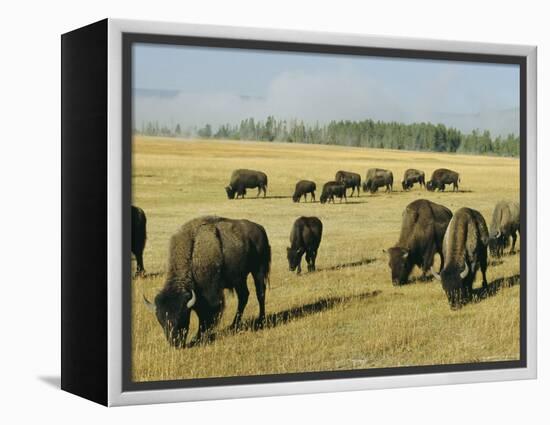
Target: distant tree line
(366, 133)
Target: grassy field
(346, 315)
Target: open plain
(346, 315)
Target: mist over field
(193, 110)
(196, 86)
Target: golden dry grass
(346, 315)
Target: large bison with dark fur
(207, 255)
(305, 237)
(349, 179)
(464, 253)
(422, 230)
(377, 177)
(505, 224)
(139, 236)
(246, 179)
(413, 176)
(303, 187)
(333, 189)
(442, 177)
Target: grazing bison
(303, 187)
(246, 179)
(305, 237)
(411, 177)
(139, 236)
(442, 177)
(332, 189)
(377, 182)
(376, 176)
(505, 223)
(464, 253)
(422, 230)
(207, 255)
(349, 179)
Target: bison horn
(465, 271)
(149, 304)
(498, 234)
(193, 299)
(405, 255)
(435, 274)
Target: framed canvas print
(251, 212)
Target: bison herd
(210, 254)
(375, 178)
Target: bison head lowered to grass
(207, 255)
(422, 230)
(246, 179)
(505, 224)
(464, 252)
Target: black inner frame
(128, 39)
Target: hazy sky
(194, 85)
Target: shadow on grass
(252, 198)
(340, 266)
(282, 317)
(493, 288)
(419, 279)
(147, 275)
(450, 191)
(346, 203)
(505, 254)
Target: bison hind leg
(260, 280)
(242, 295)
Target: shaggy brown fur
(464, 252)
(207, 255)
(422, 230)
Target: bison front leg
(427, 262)
(514, 238)
(242, 295)
(312, 196)
(140, 270)
(208, 319)
(259, 191)
(265, 191)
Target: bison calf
(442, 177)
(139, 236)
(246, 179)
(349, 179)
(303, 187)
(464, 253)
(422, 230)
(305, 237)
(332, 189)
(505, 224)
(208, 255)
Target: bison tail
(267, 263)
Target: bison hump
(207, 259)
